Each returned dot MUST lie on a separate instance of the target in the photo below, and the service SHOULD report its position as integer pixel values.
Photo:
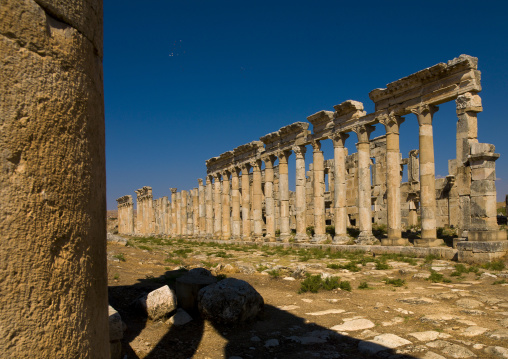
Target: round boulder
(229, 301)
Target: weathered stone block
(483, 187)
(479, 148)
(481, 252)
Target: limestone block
(481, 252)
(229, 301)
(480, 148)
(483, 187)
(159, 302)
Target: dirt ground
(462, 316)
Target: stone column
(364, 185)
(300, 202)
(195, 213)
(392, 124)
(285, 231)
(217, 202)
(164, 216)
(468, 106)
(184, 213)
(246, 222)
(202, 209)
(339, 198)
(139, 213)
(209, 207)
(178, 214)
(269, 200)
(424, 113)
(53, 184)
(235, 198)
(226, 207)
(168, 217)
(257, 201)
(319, 193)
(174, 221)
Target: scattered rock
(270, 343)
(188, 286)
(116, 239)
(328, 311)
(473, 312)
(499, 334)
(473, 331)
(229, 301)
(429, 335)
(423, 275)
(255, 339)
(437, 318)
(445, 296)
(382, 342)
(504, 322)
(499, 352)
(468, 303)
(116, 329)
(486, 275)
(453, 350)
(416, 300)
(288, 307)
(181, 317)
(353, 325)
(159, 302)
(432, 355)
(289, 278)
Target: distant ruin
(364, 187)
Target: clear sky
(188, 80)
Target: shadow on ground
(296, 337)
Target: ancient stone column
(217, 202)
(424, 113)
(139, 213)
(178, 214)
(392, 124)
(235, 198)
(53, 184)
(174, 220)
(285, 231)
(257, 201)
(246, 221)
(202, 208)
(468, 106)
(183, 213)
(364, 185)
(226, 207)
(164, 216)
(300, 202)
(209, 207)
(168, 217)
(319, 193)
(195, 212)
(339, 198)
(269, 200)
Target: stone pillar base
(481, 252)
(270, 239)
(366, 238)
(236, 238)
(486, 236)
(301, 238)
(259, 239)
(340, 239)
(284, 237)
(428, 242)
(319, 238)
(394, 242)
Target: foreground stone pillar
(246, 221)
(319, 193)
(257, 202)
(235, 198)
(285, 231)
(209, 207)
(202, 208)
(269, 200)
(174, 216)
(339, 198)
(392, 124)
(364, 186)
(424, 113)
(217, 225)
(226, 207)
(300, 202)
(53, 183)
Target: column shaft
(269, 200)
(246, 221)
(226, 208)
(285, 231)
(340, 202)
(174, 226)
(319, 193)
(209, 207)
(217, 228)
(257, 203)
(202, 208)
(235, 197)
(195, 212)
(300, 201)
(183, 214)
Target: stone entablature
(237, 203)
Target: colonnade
(240, 200)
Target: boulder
(116, 329)
(159, 302)
(229, 301)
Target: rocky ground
(393, 306)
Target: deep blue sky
(188, 80)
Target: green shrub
(496, 265)
(274, 273)
(345, 285)
(429, 258)
(330, 230)
(435, 277)
(223, 254)
(363, 285)
(501, 281)
(331, 283)
(310, 230)
(395, 282)
(146, 248)
(381, 265)
(311, 284)
(120, 257)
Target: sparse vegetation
(313, 283)
(363, 285)
(395, 282)
(120, 257)
(274, 273)
(495, 265)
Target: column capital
(200, 181)
(299, 151)
(173, 190)
(225, 174)
(316, 145)
(217, 176)
(339, 139)
(424, 113)
(283, 156)
(209, 179)
(391, 121)
(235, 171)
(269, 160)
(246, 167)
(363, 132)
(256, 165)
